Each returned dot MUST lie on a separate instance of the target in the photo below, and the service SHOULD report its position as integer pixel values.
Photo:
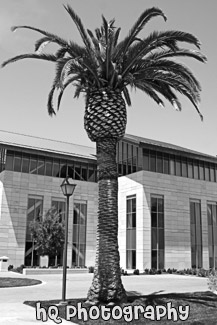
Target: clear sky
(24, 85)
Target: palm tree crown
(105, 63)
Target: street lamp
(67, 189)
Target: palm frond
(149, 91)
(65, 85)
(52, 37)
(127, 96)
(180, 52)
(137, 27)
(79, 26)
(42, 56)
(50, 107)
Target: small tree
(48, 234)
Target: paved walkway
(13, 311)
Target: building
(167, 201)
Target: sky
(24, 85)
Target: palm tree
(103, 69)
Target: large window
(157, 232)
(34, 211)
(163, 162)
(212, 233)
(43, 165)
(196, 234)
(60, 207)
(131, 232)
(79, 234)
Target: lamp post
(67, 189)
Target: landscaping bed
(6, 282)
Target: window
(212, 233)
(79, 234)
(196, 170)
(48, 167)
(157, 232)
(131, 232)
(41, 166)
(178, 167)
(25, 165)
(190, 169)
(34, 211)
(9, 161)
(17, 163)
(207, 175)
(196, 234)
(60, 207)
(201, 171)
(159, 163)
(33, 166)
(145, 159)
(172, 165)
(153, 162)
(166, 164)
(184, 168)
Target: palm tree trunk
(107, 285)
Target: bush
(212, 280)
(159, 271)
(152, 271)
(146, 271)
(203, 273)
(19, 269)
(136, 272)
(169, 271)
(91, 269)
(10, 267)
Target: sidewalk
(13, 311)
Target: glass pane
(25, 165)
(41, 167)
(161, 259)
(207, 177)
(201, 172)
(212, 174)
(172, 166)
(192, 212)
(129, 221)
(160, 205)
(184, 169)
(193, 257)
(196, 171)
(33, 166)
(153, 238)
(154, 219)
(17, 164)
(160, 238)
(160, 220)
(166, 165)
(178, 168)
(153, 204)
(76, 213)
(63, 170)
(153, 163)
(48, 168)
(129, 204)
(131, 238)
(134, 205)
(190, 170)
(9, 162)
(56, 169)
(159, 164)
(134, 259)
(154, 259)
(209, 214)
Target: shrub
(169, 271)
(91, 269)
(174, 270)
(202, 272)
(152, 271)
(159, 271)
(146, 271)
(136, 272)
(212, 280)
(10, 267)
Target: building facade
(167, 201)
